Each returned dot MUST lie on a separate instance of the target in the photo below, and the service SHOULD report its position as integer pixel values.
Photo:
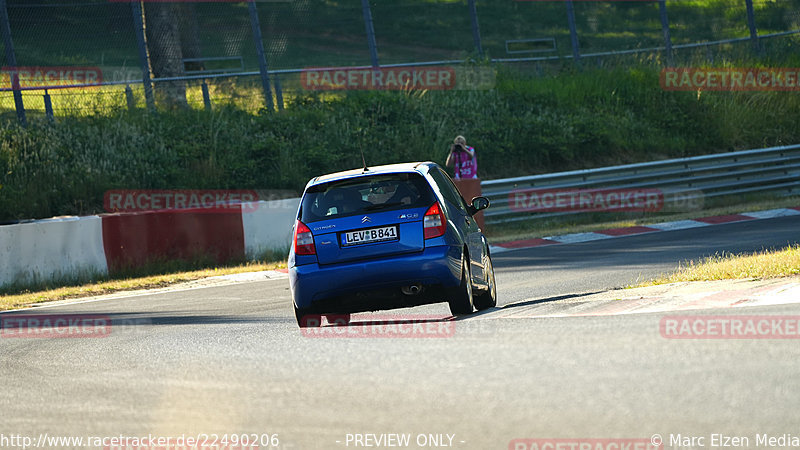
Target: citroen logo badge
(365, 219)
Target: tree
(166, 53)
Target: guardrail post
(141, 40)
(751, 24)
(373, 46)
(11, 61)
(662, 10)
(476, 30)
(573, 32)
(262, 56)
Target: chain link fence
(91, 57)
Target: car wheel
(487, 299)
(338, 319)
(306, 320)
(461, 300)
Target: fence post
(206, 96)
(262, 57)
(662, 9)
(373, 46)
(476, 30)
(573, 32)
(751, 24)
(138, 23)
(129, 98)
(11, 61)
(48, 107)
(709, 54)
(278, 93)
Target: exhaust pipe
(413, 289)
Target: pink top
(466, 164)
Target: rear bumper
(375, 284)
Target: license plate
(369, 235)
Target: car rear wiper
(382, 206)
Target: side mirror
(478, 204)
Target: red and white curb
(246, 277)
(676, 297)
(575, 238)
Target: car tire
(306, 320)
(488, 299)
(461, 300)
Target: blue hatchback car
(387, 237)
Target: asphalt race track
(231, 359)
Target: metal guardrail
(717, 175)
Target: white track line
(772, 213)
(575, 238)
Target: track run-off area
(230, 359)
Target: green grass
(528, 124)
(765, 264)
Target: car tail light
(433, 222)
(303, 240)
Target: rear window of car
(364, 195)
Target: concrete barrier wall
(135, 239)
(51, 249)
(268, 225)
(68, 247)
